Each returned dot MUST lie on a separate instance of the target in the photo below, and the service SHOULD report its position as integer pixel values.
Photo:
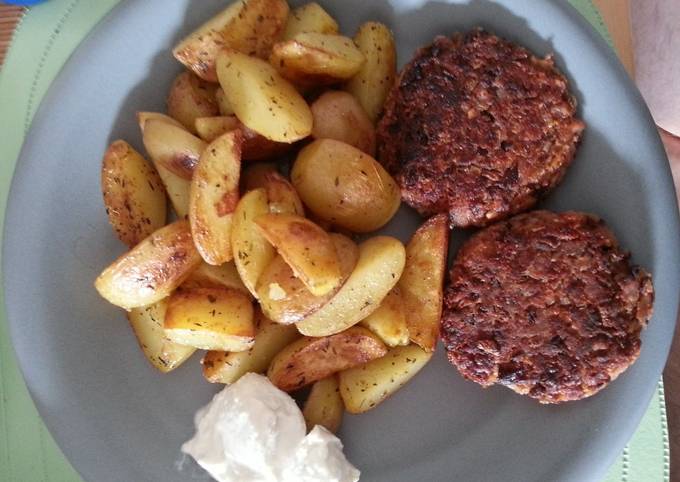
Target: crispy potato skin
(172, 147)
(190, 98)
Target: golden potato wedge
(178, 190)
(342, 185)
(209, 276)
(252, 176)
(381, 261)
(310, 17)
(281, 195)
(213, 197)
(142, 117)
(285, 299)
(190, 98)
(270, 339)
(364, 387)
(172, 147)
(152, 269)
(312, 58)
(252, 251)
(338, 115)
(422, 283)
(210, 319)
(310, 359)
(248, 26)
(223, 102)
(134, 195)
(263, 100)
(306, 247)
(210, 128)
(375, 78)
(389, 320)
(147, 324)
(324, 406)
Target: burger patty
(546, 304)
(477, 127)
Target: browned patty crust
(477, 127)
(546, 304)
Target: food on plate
(133, 192)
(223, 103)
(172, 147)
(248, 26)
(210, 128)
(253, 175)
(261, 99)
(342, 185)
(546, 304)
(324, 405)
(190, 98)
(151, 270)
(374, 80)
(144, 116)
(311, 359)
(389, 320)
(477, 127)
(207, 276)
(338, 115)
(422, 283)
(310, 17)
(364, 387)
(282, 197)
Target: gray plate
(118, 419)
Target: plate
(116, 418)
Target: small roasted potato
(374, 80)
(190, 98)
(213, 197)
(248, 26)
(263, 100)
(389, 320)
(147, 324)
(210, 128)
(134, 195)
(310, 359)
(422, 283)
(310, 17)
(172, 147)
(285, 299)
(324, 406)
(178, 190)
(364, 387)
(209, 276)
(342, 185)
(152, 269)
(270, 339)
(253, 175)
(281, 195)
(210, 319)
(307, 249)
(142, 117)
(380, 264)
(338, 115)
(223, 102)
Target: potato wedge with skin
(281, 195)
(364, 387)
(344, 186)
(422, 283)
(270, 339)
(380, 264)
(310, 17)
(210, 128)
(172, 147)
(223, 102)
(134, 195)
(306, 247)
(263, 100)
(285, 299)
(209, 276)
(213, 197)
(324, 406)
(248, 26)
(142, 117)
(310, 359)
(210, 319)
(152, 269)
(338, 115)
(177, 189)
(190, 98)
(252, 176)
(147, 324)
(389, 320)
(374, 80)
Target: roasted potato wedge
(252, 251)
(285, 299)
(210, 319)
(147, 324)
(134, 195)
(309, 17)
(422, 282)
(311, 359)
(213, 197)
(172, 147)
(190, 98)
(338, 115)
(210, 128)
(281, 195)
(178, 190)
(252, 176)
(380, 264)
(142, 117)
(209, 276)
(306, 247)
(342, 185)
(223, 102)
(270, 339)
(389, 320)
(375, 78)
(324, 406)
(152, 269)
(263, 100)
(364, 387)
(248, 26)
